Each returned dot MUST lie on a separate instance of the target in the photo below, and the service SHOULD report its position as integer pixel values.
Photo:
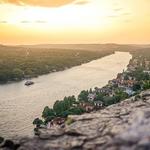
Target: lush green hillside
(17, 63)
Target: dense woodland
(18, 63)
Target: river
(19, 104)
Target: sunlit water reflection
(20, 104)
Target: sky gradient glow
(74, 21)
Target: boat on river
(27, 83)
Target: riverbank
(128, 83)
(18, 63)
(22, 104)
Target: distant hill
(142, 45)
(93, 47)
(87, 47)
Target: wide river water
(19, 104)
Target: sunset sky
(74, 21)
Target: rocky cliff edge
(122, 126)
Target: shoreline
(100, 106)
(124, 85)
(32, 78)
(95, 71)
(57, 70)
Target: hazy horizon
(36, 44)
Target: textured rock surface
(124, 126)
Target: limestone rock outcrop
(122, 126)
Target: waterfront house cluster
(128, 83)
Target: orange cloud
(43, 3)
(81, 2)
